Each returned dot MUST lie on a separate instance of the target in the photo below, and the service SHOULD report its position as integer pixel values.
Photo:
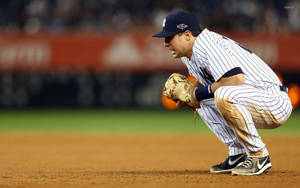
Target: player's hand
(180, 89)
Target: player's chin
(175, 56)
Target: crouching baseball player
(235, 93)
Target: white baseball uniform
(236, 111)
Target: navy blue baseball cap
(178, 22)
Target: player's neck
(190, 48)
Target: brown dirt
(135, 160)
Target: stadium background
(91, 67)
(76, 53)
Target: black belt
(283, 88)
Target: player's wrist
(203, 93)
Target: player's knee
(223, 99)
(223, 93)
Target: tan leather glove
(180, 89)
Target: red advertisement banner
(124, 52)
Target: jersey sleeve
(220, 56)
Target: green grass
(100, 120)
(71, 120)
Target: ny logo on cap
(181, 26)
(164, 22)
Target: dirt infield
(132, 160)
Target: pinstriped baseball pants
(236, 111)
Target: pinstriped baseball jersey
(258, 103)
(214, 55)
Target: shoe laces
(248, 163)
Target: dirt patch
(128, 160)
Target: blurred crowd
(54, 16)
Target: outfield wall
(125, 52)
(109, 70)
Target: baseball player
(236, 92)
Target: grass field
(126, 120)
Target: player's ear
(187, 34)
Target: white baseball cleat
(253, 166)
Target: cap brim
(164, 34)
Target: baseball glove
(178, 88)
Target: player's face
(177, 45)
